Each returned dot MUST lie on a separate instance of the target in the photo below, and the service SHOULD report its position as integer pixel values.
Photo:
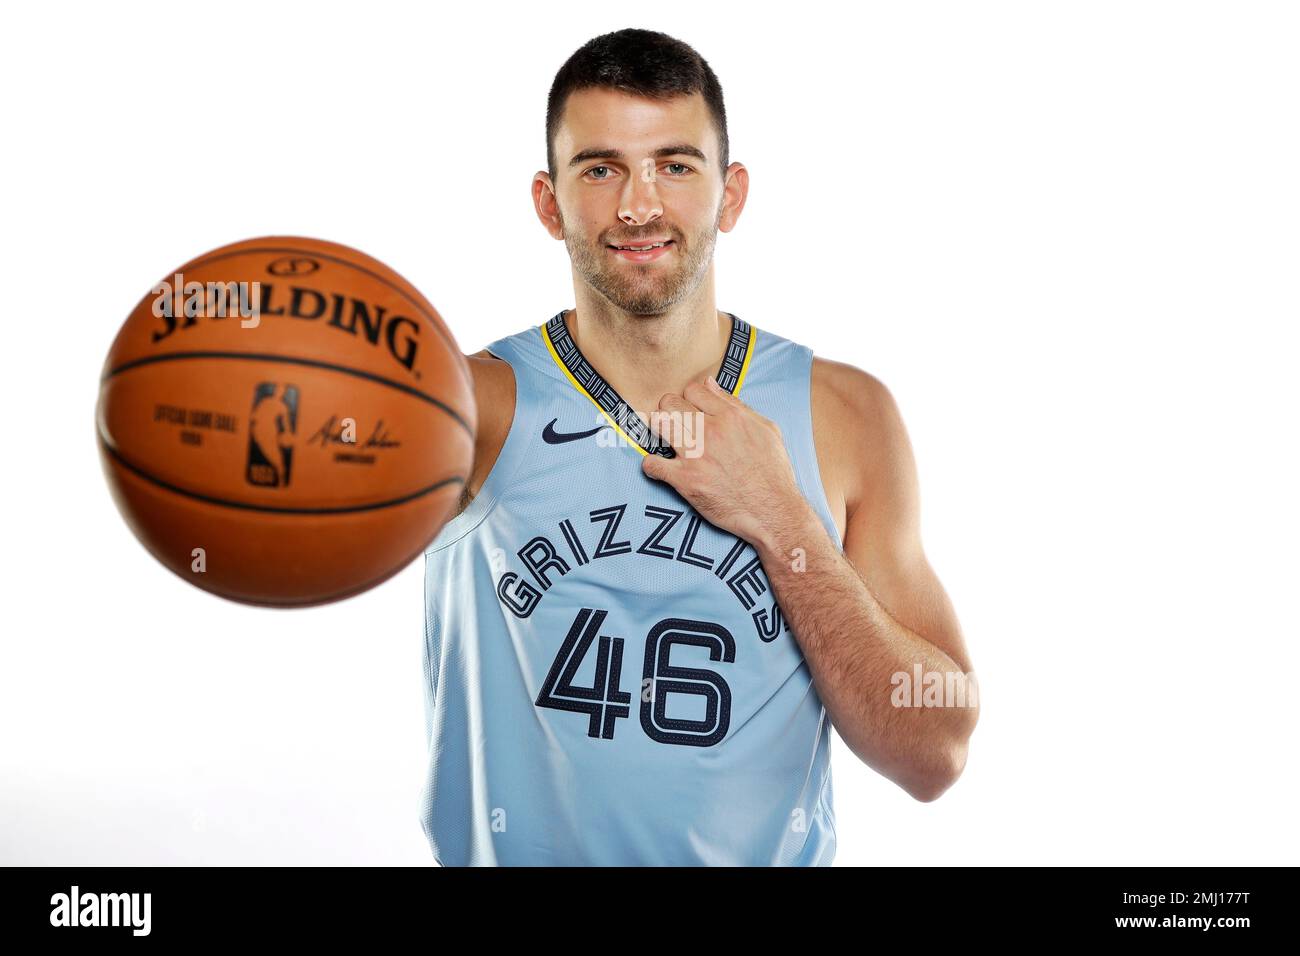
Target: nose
(640, 202)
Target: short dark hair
(641, 62)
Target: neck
(646, 356)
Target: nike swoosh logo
(552, 437)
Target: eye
(682, 166)
(592, 171)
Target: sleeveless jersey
(608, 678)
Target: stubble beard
(643, 288)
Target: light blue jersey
(609, 680)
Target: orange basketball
(285, 421)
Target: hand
(731, 463)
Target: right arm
(494, 397)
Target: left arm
(871, 620)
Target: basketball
(285, 421)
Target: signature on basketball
(334, 432)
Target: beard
(644, 288)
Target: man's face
(631, 171)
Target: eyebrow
(678, 149)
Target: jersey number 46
(604, 702)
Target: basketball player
(687, 549)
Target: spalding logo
(354, 316)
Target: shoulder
(850, 395)
(494, 379)
(857, 426)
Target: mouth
(643, 252)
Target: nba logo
(272, 425)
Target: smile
(643, 253)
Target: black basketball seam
(345, 262)
(271, 509)
(292, 360)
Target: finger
(671, 401)
(658, 467)
(671, 421)
(670, 425)
(707, 395)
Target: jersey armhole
(817, 493)
(498, 476)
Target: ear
(735, 190)
(547, 204)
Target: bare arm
(494, 397)
(867, 619)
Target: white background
(1064, 235)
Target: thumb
(655, 466)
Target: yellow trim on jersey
(749, 354)
(546, 337)
(550, 347)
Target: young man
(638, 635)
